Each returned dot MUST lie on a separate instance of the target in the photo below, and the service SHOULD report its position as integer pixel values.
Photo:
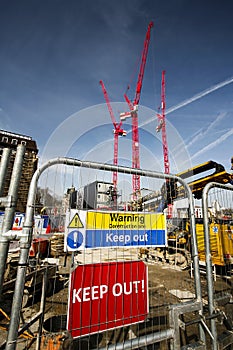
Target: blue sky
(54, 52)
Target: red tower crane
(133, 106)
(118, 131)
(162, 126)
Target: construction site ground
(168, 285)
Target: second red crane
(118, 131)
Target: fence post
(3, 167)
(10, 210)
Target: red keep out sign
(107, 295)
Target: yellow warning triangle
(76, 222)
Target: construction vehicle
(178, 249)
(219, 175)
(221, 241)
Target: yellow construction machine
(178, 250)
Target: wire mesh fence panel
(107, 267)
(216, 256)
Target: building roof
(12, 140)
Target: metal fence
(122, 276)
(218, 255)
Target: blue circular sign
(74, 239)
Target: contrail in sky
(213, 144)
(194, 98)
(202, 132)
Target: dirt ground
(167, 285)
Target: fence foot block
(225, 339)
(196, 346)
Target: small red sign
(104, 296)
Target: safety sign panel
(108, 295)
(75, 228)
(18, 222)
(76, 222)
(115, 229)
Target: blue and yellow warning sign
(118, 229)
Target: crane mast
(118, 131)
(162, 126)
(133, 106)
